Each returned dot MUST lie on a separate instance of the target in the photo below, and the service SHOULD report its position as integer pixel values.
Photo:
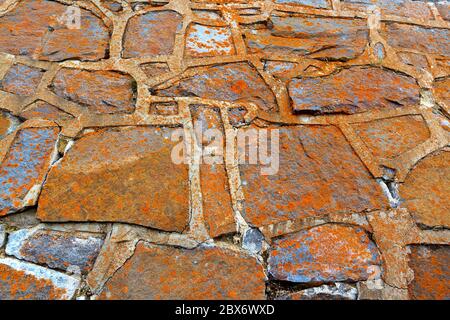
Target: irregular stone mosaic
(225, 149)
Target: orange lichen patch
(426, 189)
(441, 91)
(388, 138)
(100, 91)
(119, 175)
(24, 281)
(49, 33)
(22, 80)
(152, 33)
(324, 254)
(161, 272)
(318, 174)
(25, 166)
(209, 41)
(5, 124)
(46, 111)
(354, 90)
(431, 272)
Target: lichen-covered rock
(319, 174)
(322, 4)
(354, 90)
(324, 254)
(315, 37)
(22, 80)
(161, 272)
(8, 123)
(431, 272)
(98, 91)
(46, 111)
(204, 41)
(25, 281)
(48, 34)
(421, 39)
(119, 175)
(25, 166)
(426, 189)
(388, 138)
(59, 250)
(441, 91)
(337, 291)
(151, 33)
(228, 82)
(406, 8)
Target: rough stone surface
(152, 33)
(427, 40)
(391, 137)
(158, 272)
(338, 291)
(353, 90)
(229, 82)
(121, 176)
(99, 91)
(431, 273)
(322, 4)
(318, 161)
(8, 124)
(425, 191)
(46, 111)
(406, 8)
(2, 235)
(25, 281)
(23, 170)
(42, 36)
(324, 254)
(209, 41)
(22, 80)
(58, 250)
(322, 38)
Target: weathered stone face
(339, 291)
(58, 250)
(151, 34)
(8, 124)
(99, 91)
(425, 191)
(46, 111)
(23, 170)
(321, 38)
(322, 4)
(119, 176)
(324, 254)
(353, 90)
(204, 41)
(228, 82)
(427, 40)
(22, 80)
(388, 138)
(42, 36)
(25, 281)
(159, 272)
(406, 8)
(318, 174)
(431, 274)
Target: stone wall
(93, 207)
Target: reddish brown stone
(99, 91)
(388, 138)
(119, 175)
(413, 59)
(22, 80)
(152, 33)
(315, 37)
(229, 82)
(319, 174)
(324, 254)
(217, 210)
(46, 111)
(431, 273)
(155, 69)
(426, 40)
(426, 189)
(8, 123)
(160, 272)
(441, 91)
(406, 8)
(60, 250)
(25, 281)
(24, 168)
(354, 90)
(164, 108)
(45, 34)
